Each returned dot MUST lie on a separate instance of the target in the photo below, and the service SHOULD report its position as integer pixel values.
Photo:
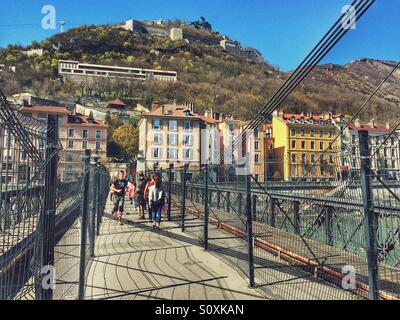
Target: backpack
(161, 201)
(140, 185)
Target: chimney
(357, 123)
(373, 123)
(388, 125)
(155, 105)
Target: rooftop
(307, 118)
(45, 109)
(370, 127)
(79, 119)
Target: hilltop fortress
(198, 32)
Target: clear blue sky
(283, 30)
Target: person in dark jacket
(141, 182)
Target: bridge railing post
(84, 225)
(329, 236)
(371, 218)
(228, 202)
(171, 167)
(102, 190)
(206, 207)
(94, 204)
(46, 226)
(249, 214)
(183, 208)
(254, 207)
(296, 217)
(273, 211)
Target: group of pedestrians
(147, 196)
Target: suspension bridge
(223, 237)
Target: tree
(127, 138)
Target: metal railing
(48, 216)
(341, 242)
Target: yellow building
(300, 140)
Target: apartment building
(384, 149)
(260, 151)
(76, 70)
(171, 134)
(76, 134)
(300, 140)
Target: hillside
(343, 89)
(208, 76)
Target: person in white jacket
(156, 201)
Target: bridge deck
(134, 262)
(331, 257)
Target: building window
(98, 134)
(172, 154)
(98, 145)
(303, 133)
(330, 146)
(173, 125)
(312, 133)
(69, 157)
(172, 139)
(256, 133)
(331, 134)
(303, 144)
(293, 144)
(156, 153)
(312, 145)
(187, 140)
(256, 145)
(84, 144)
(70, 144)
(7, 166)
(187, 154)
(42, 117)
(294, 159)
(293, 132)
(257, 158)
(321, 134)
(157, 124)
(321, 145)
(71, 133)
(157, 138)
(85, 134)
(187, 126)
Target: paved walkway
(134, 262)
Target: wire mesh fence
(41, 210)
(335, 237)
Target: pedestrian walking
(131, 193)
(113, 178)
(119, 189)
(156, 201)
(139, 195)
(149, 183)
